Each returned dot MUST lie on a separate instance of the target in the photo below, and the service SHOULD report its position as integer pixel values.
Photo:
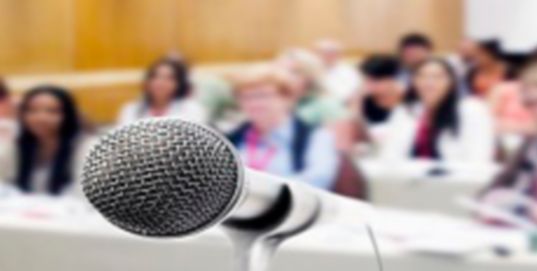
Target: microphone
(171, 178)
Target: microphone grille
(162, 177)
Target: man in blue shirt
(273, 140)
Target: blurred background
(425, 109)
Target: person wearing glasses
(275, 140)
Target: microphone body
(167, 177)
(172, 178)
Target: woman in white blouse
(166, 93)
(435, 124)
(47, 155)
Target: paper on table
(405, 231)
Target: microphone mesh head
(163, 177)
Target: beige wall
(65, 35)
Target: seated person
(215, 95)
(166, 93)
(339, 78)
(434, 124)
(7, 113)
(383, 91)
(462, 61)
(6, 104)
(48, 153)
(510, 114)
(514, 190)
(313, 104)
(413, 49)
(274, 140)
(463, 57)
(489, 69)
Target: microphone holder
(253, 250)
(256, 240)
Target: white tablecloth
(49, 235)
(411, 186)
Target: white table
(408, 186)
(40, 238)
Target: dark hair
(380, 66)
(180, 73)
(61, 174)
(415, 39)
(4, 91)
(445, 116)
(492, 47)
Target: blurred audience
(514, 190)
(303, 115)
(339, 78)
(434, 124)
(166, 93)
(274, 140)
(489, 69)
(413, 49)
(47, 155)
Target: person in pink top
(514, 190)
(510, 114)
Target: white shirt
(40, 175)
(186, 109)
(8, 129)
(473, 144)
(341, 81)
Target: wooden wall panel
(59, 35)
(209, 30)
(377, 25)
(122, 33)
(35, 36)
(102, 104)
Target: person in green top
(313, 104)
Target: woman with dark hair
(7, 110)
(383, 91)
(435, 124)
(166, 92)
(6, 106)
(489, 69)
(45, 155)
